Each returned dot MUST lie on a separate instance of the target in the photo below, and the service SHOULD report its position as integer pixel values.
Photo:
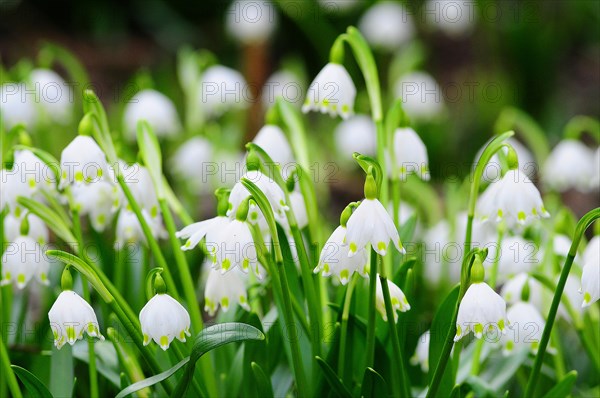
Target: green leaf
(408, 229)
(263, 384)
(439, 329)
(564, 386)
(150, 381)
(49, 217)
(32, 384)
(152, 156)
(211, 338)
(332, 378)
(373, 385)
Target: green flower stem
(370, 357)
(582, 226)
(581, 124)
(534, 136)
(366, 62)
(344, 327)
(160, 259)
(189, 293)
(398, 357)
(281, 284)
(93, 375)
(11, 379)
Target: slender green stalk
(398, 358)
(152, 242)
(11, 379)
(582, 226)
(344, 328)
(370, 357)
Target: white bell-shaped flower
(514, 199)
(371, 224)
(13, 186)
(590, 277)
(399, 301)
(284, 84)
(512, 290)
(154, 107)
(221, 89)
(71, 316)
(164, 319)
(38, 231)
(99, 200)
(493, 169)
(569, 166)
(411, 154)
(421, 355)
(421, 95)
(234, 247)
(195, 232)
(274, 142)
(453, 17)
(33, 172)
(387, 25)
(82, 161)
(192, 161)
(17, 106)
(251, 22)
(332, 91)
(356, 134)
(595, 183)
(334, 258)
(24, 259)
(223, 290)
(561, 245)
(525, 328)
(139, 181)
(129, 230)
(267, 185)
(514, 255)
(481, 311)
(54, 95)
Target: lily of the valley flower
(22, 260)
(526, 326)
(99, 200)
(569, 165)
(38, 231)
(387, 25)
(371, 224)
(410, 154)
(399, 302)
(53, 93)
(421, 355)
(154, 107)
(356, 134)
(221, 89)
(251, 23)
(514, 199)
(481, 308)
(274, 142)
(590, 277)
(71, 316)
(223, 289)
(332, 91)
(334, 258)
(82, 161)
(164, 319)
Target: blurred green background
(542, 56)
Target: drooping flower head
(221, 89)
(22, 260)
(421, 355)
(54, 95)
(387, 25)
(371, 224)
(332, 91)
(481, 310)
(251, 23)
(397, 297)
(356, 134)
(82, 161)
(154, 107)
(224, 289)
(163, 318)
(410, 154)
(71, 316)
(590, 277)
(570, 165)
(526, 326)
(274, 142)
